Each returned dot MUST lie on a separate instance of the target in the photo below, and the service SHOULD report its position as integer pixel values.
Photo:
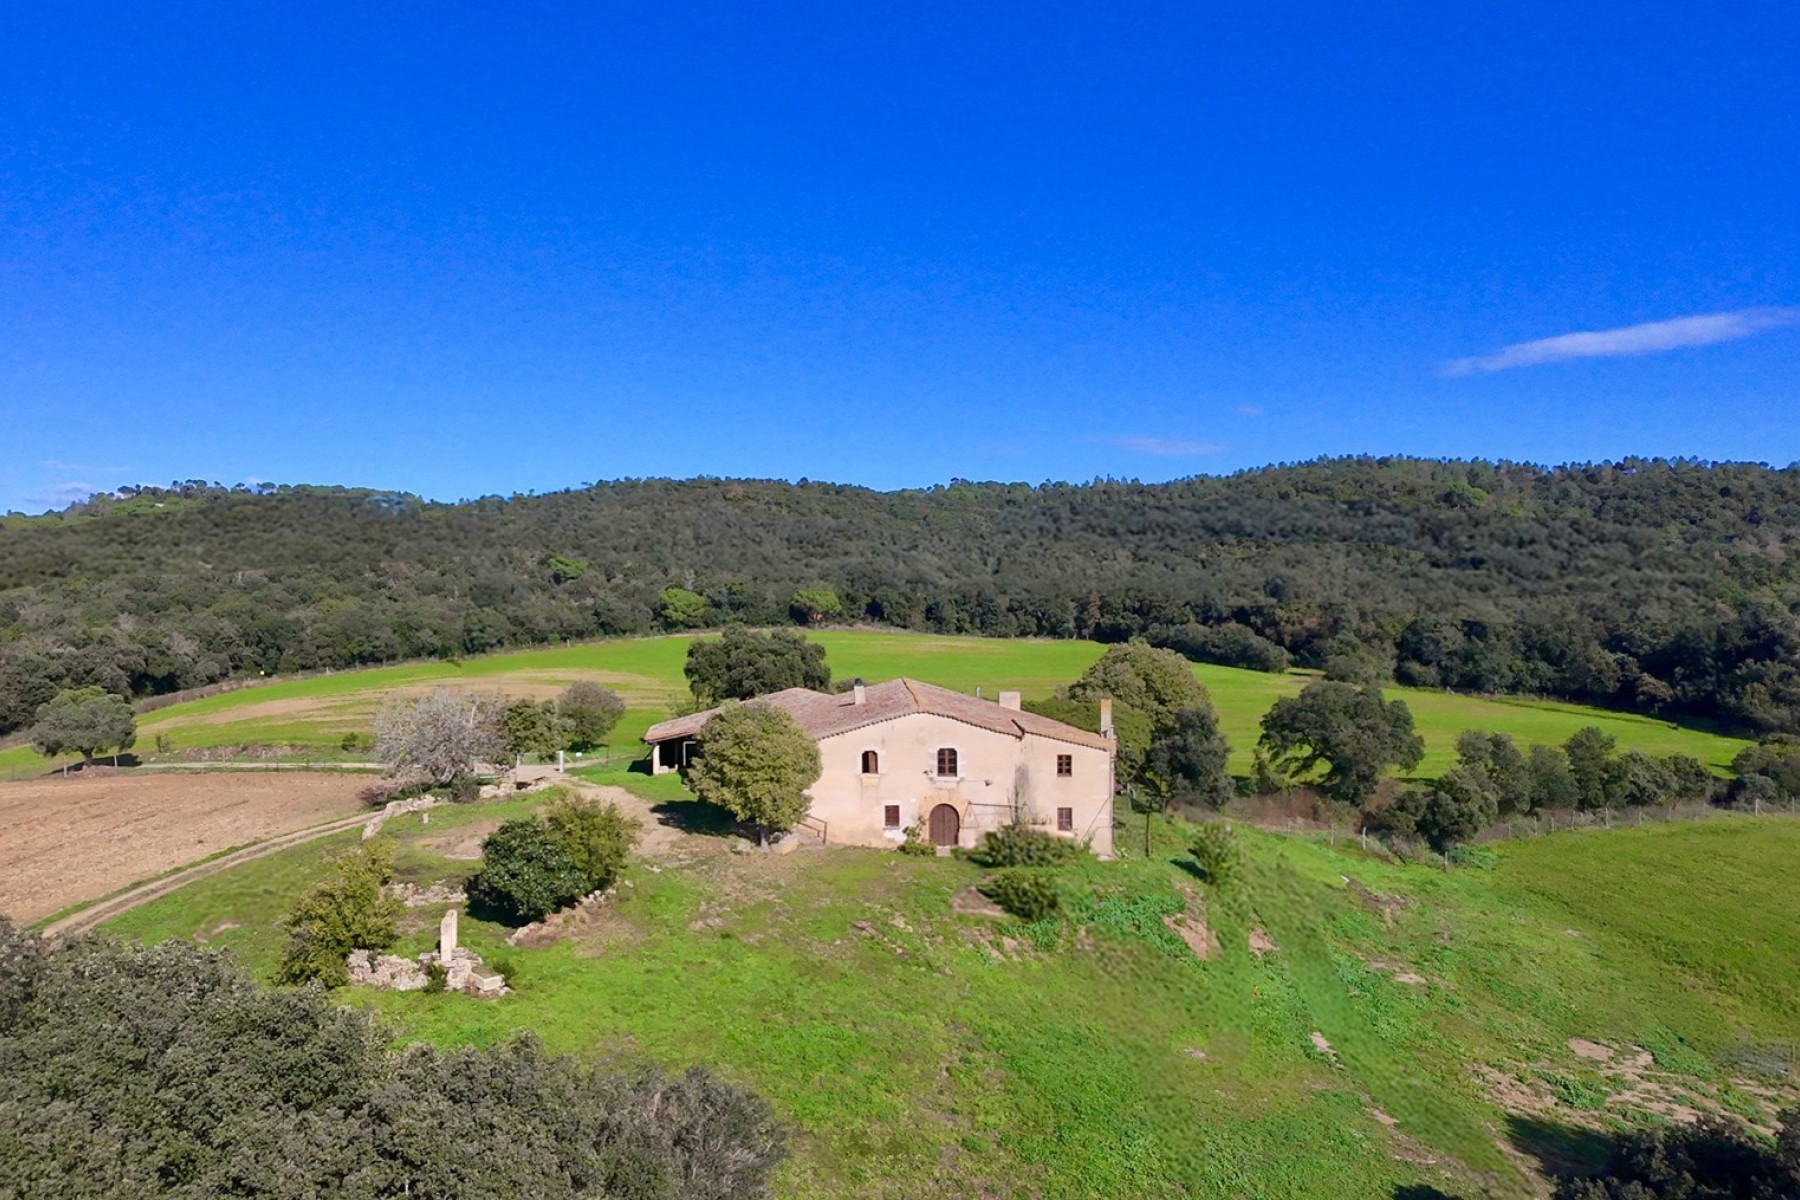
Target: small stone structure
(414, 896)
(527, 934)
(394, 808)
(369, 969)
(463, 968)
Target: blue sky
(458, 250)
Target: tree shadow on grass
(1559, 1149)
(696, 816)
(1422, 1191)
(1191, 867)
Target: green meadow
(918, 1050)
(317, 711)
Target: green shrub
(1216, 853)
(916, 842)
(163, 1070)
(437, 977)
(526, 872)
(1019, 845)
(357, 743)
(464, 789)
(1025, 892)
(1582, 1094)
(343, 912)
(598, 836)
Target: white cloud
(1249, 410)
(1167, 447)
(1653, 337)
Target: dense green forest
(1655, 585)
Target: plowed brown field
(63, 841)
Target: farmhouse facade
(904, 752)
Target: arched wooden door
(945, 825)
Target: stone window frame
(937, 765)
(890, 817)
(863, 762)
(1065, 766)
(1065, 820)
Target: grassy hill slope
(1411, 1026)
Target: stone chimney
(1009, 700)
(858, 692)
(1106, 724)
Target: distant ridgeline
(1664, 586)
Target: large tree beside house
(1140, 676)
(757, 762)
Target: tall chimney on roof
(1106, 724)
(858, 692)
(1009, 700)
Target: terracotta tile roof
(823, 715)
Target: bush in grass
(1025, 892)
(1216, 852)
(1459, 804)
(437, 977)
(343, 912)
(598, 836)
(1019, 845)
(527, 872)
(916, 842)
(163, 1070)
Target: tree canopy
(1187, 756)
(1356, 734)
(128, 1070)
(86, 720)
(439, 738)
(1143, 677)
(758, 763)
(742, 664)
(1638, 584)
(589, 712)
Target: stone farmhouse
(901, 752)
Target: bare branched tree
(439, 738)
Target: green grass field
(919, 1051)
(317, 711)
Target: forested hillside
(1642, 584)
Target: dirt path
(656, 840)
(106, 910)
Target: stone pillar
(447, 937)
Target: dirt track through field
(63, 841)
